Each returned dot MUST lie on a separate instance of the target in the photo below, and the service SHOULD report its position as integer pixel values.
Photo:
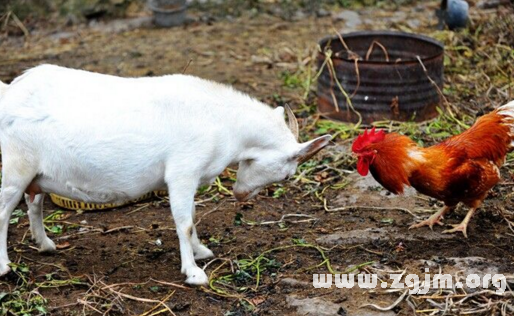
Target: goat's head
(263, 166)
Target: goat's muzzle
(242, 196)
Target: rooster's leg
(434, 219)
(463, 225)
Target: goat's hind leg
(17, 173)
(37, 227)
(10, 196)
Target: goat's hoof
(47, 246)
(4, 267)
(202, 252)
(196, 276)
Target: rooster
(462, 168)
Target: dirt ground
(126, 261)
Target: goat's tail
(3, 88)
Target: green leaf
(299, 241)
(41, 309)
(386, 220)
(238, 219)
(56, 229)
(279, 192)
(18, 213)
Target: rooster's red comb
(366, 139)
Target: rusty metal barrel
(387, 75)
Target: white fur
(508, 111)
(101, 138)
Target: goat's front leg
(37, 228)
(182, 200)
(200, 251)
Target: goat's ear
(310, 148)
(279, 110)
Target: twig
(160, 303)
(200, 202)
(187, 66)
(349, 103)
(311, 218)
(140, 299)
(361, 207)
(441, 95)
(139, 208)
(171, 284)
(115, 229)
(210, 212)
(356, 61)
(370, 50)
(351, 55)
(20, 25)
(86, 303)
(390, 307)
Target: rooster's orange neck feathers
(397, 156)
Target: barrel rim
(420, 37)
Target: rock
(398, 16)
(72, 19)
(368, 183)
(429, 264)
(352, 19)
(299, 15)
(91, 8)
(315, 306)
(294, 283)
(463, 267)
(62, 36)
(475, 265)
(122, 25)
(413, 23)
(347, 200)
(489, 4)
(320, 13)
(261, 60)
(370, 312)
(358, 236)
(369, 235)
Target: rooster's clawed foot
(457, 228)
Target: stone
(464, 266)
(315, 306)
(122, 25)
(370, 312)
(368, 183)
(351, 19)
(475, 265)
(413, 23)
(369, 235)
(320, 13)
(294, 283)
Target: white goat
(104, 139)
